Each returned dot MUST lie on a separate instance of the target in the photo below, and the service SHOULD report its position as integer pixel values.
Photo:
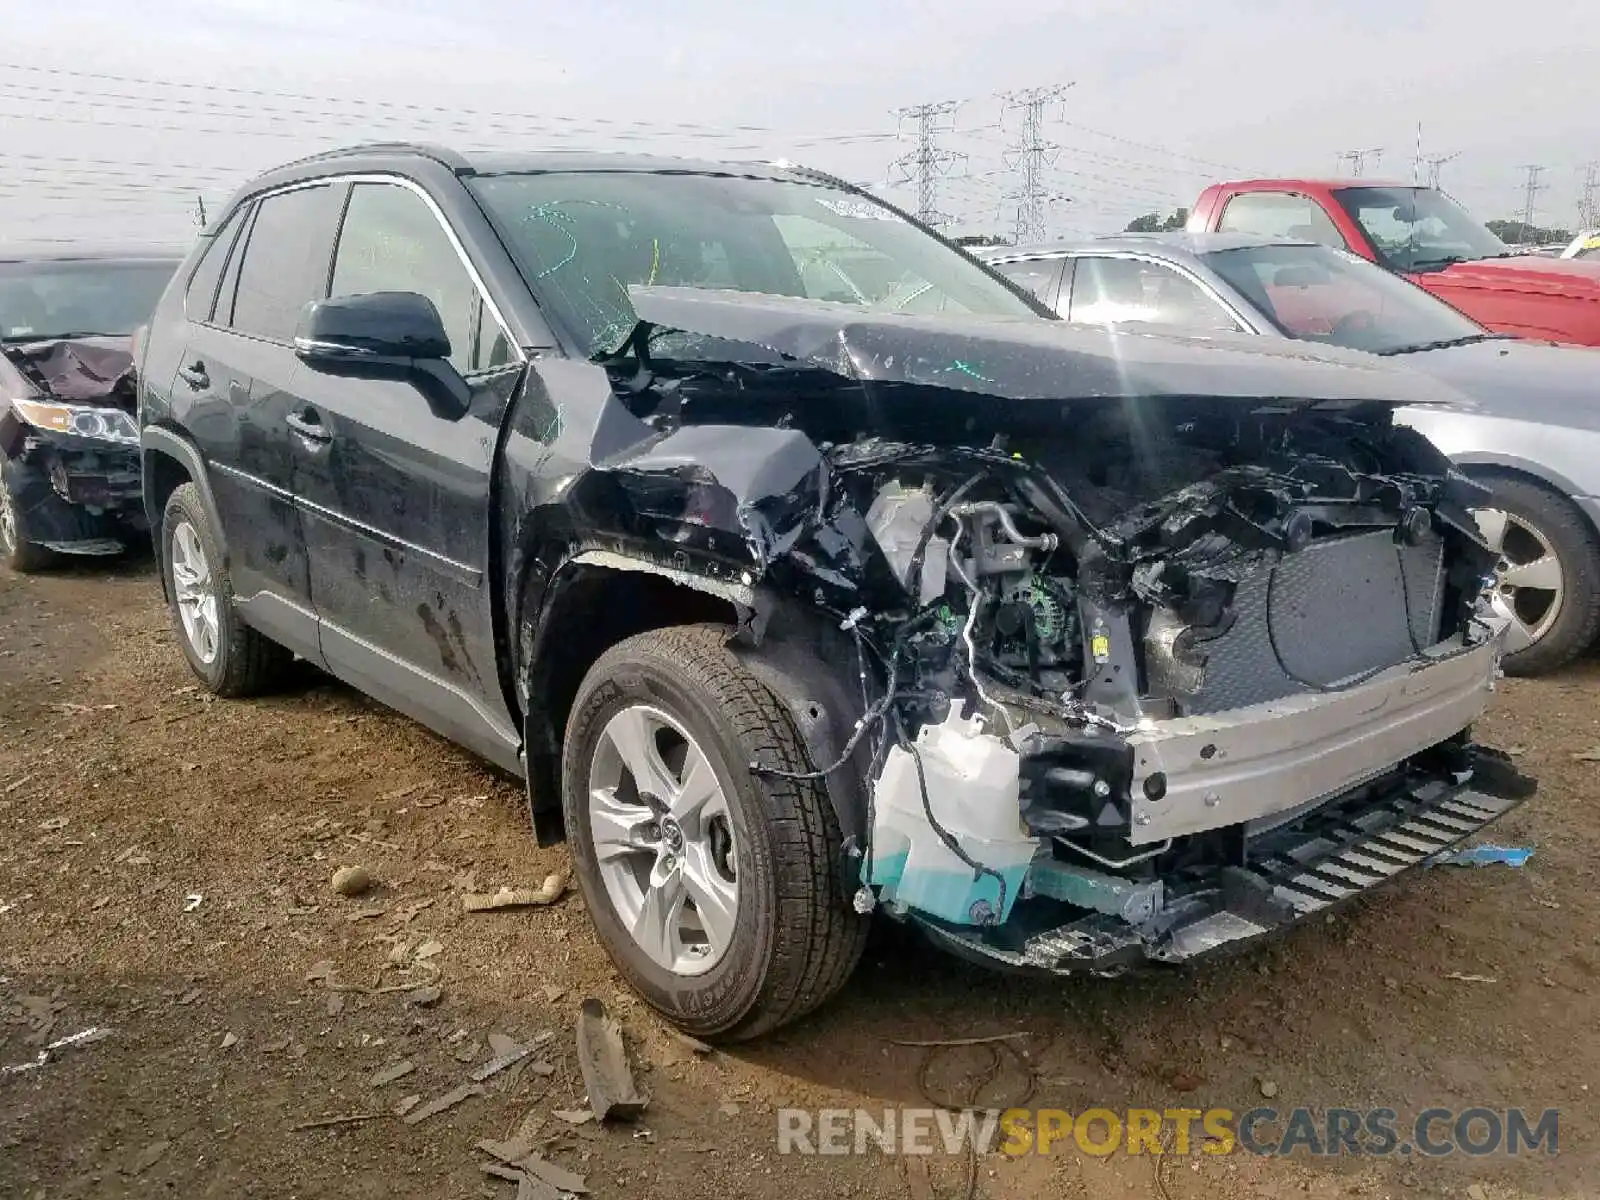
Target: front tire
(714, 891)
(16, 551)
(228, 656)
(1547, 582)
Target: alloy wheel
(663, 840)
(8, 521)
(192, 592)
(1529, 583)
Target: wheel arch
(596, 599)
(168, 460)
(1479, 465)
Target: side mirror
(384, 335)
(372, 327)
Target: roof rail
(439, 154)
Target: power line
(1030, 156)
(1589, 202)
(1435, 165)
(1530, 189)
(928, 162)
(1358, 159)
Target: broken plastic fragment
(1483, 856)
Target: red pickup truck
(1421, 233)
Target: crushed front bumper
(1349, 845)
(75, 496)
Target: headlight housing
(80, 420)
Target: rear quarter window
(200, 298)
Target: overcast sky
(115, 115)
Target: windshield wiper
(1422, 264)
(1444, 343)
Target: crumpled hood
(1530, 381)
(1035, 358)
(1575, 278)
(77, 370)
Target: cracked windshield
(585, 238)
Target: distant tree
(1515, 233)
(1155, 223)
(980, 239)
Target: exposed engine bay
(1117, 658)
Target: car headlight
(78, 420)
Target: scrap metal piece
(440, 1103)
(603, 1062)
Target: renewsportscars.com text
(1332, 1132)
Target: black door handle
(195, 376)
(308, 425)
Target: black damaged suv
(803, 567)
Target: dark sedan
(69, 445)
(1534, 436)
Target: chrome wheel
(192, 591)
(663, 840)
(1529, 583)
(8, 521)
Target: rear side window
(1280, 214)
(1041, 276)
(201, 297)
(285, 261)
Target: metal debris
(1460, 978)
(503, 1043)
(84, 1037)
(407, 1104)
(428, 949)
(229, 1041)
(54, 823)
(551, 890)
(192, 901)
(320, 971)
(499, 1063)
(365, 914)
(392, 1072)
(573, 1116)
(351, 881)
(330, 1122)
(557, 1177)
(603, 1062)
(439, 1103)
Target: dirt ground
(125, 794)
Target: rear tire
(792, 938)
(22, 556)
(1551, 626)
(228, 656)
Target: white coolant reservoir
(972, 783)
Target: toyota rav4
(803, 567)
